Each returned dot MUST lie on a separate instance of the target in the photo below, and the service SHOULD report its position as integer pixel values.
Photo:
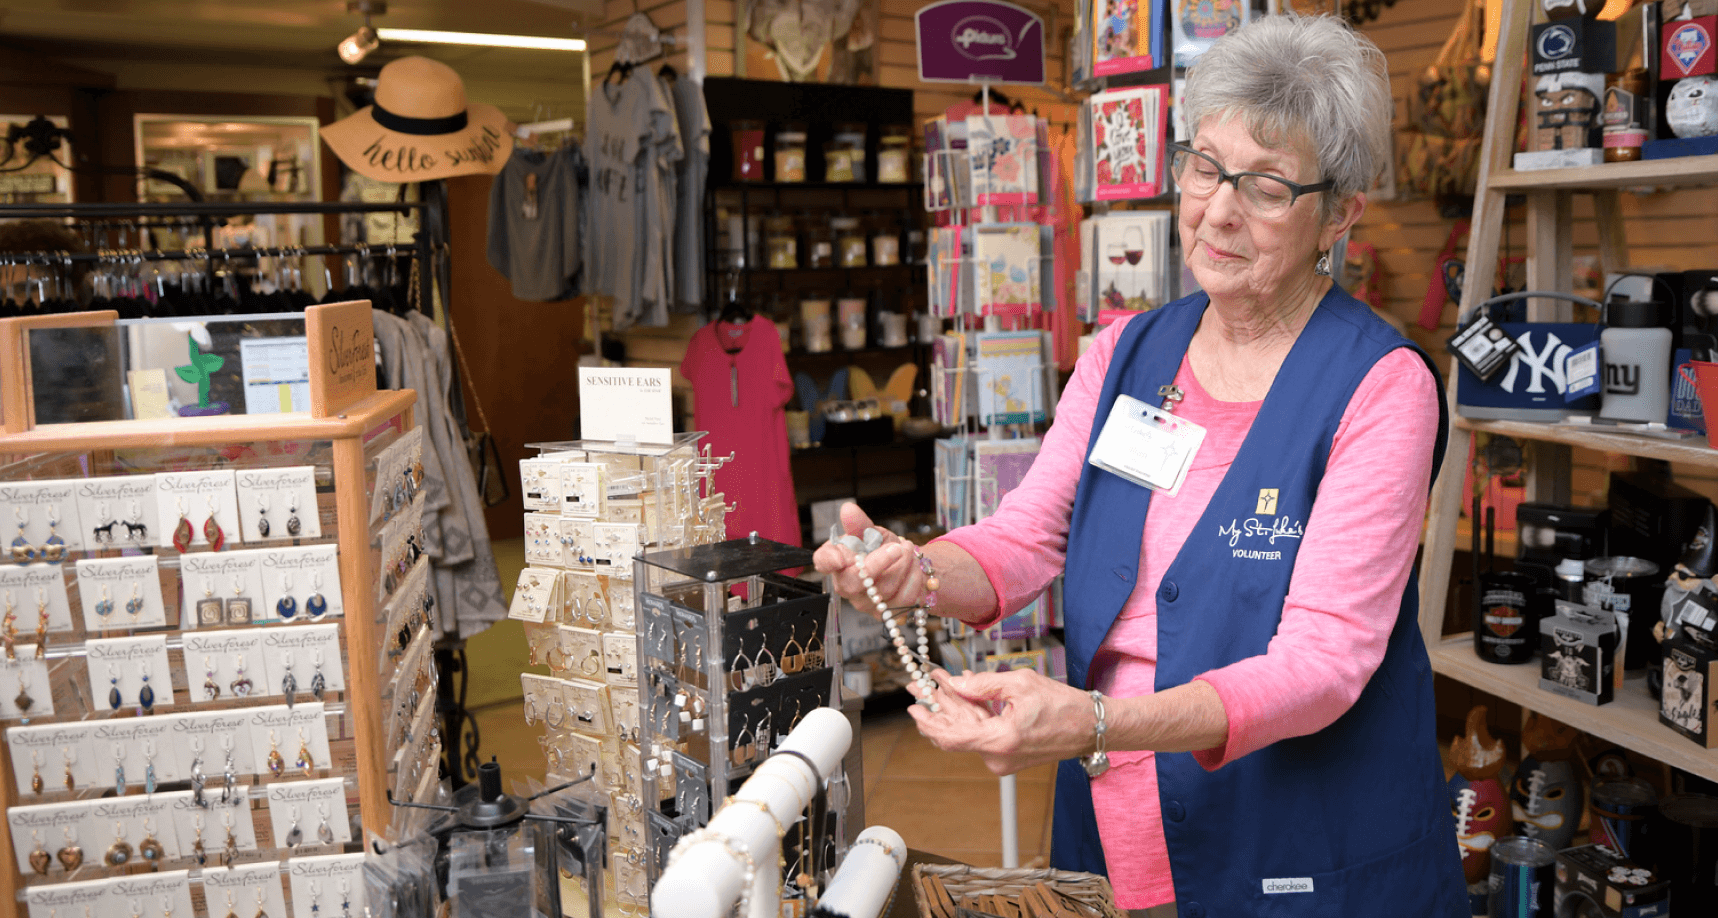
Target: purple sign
(964, 41)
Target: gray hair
(1302, 79)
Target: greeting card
(1128, 127)
(1125, 37)
(1010, 373)
(1003, 153)
(1131, 260)
(1007, 256)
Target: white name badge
(1147, 446)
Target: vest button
(1175, 811)
(1193, 910)
(1168, 591)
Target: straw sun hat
(421, 128)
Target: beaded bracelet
(931, 582)
(740, 853)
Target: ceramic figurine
(1477, 798)
(1692, 575)
(1547, 793)
(1567, 114)
(1692, 110)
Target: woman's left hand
(1014, 720)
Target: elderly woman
(1248, 724)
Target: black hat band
(423, 127)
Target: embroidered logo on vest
(1267, 502)
(1254, 528)
(1280, 885)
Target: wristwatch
(1099, 761)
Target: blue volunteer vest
(1340, 822)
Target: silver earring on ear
(1322, 269)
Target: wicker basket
(1084, 894)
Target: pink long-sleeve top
(1353, 564)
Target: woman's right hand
(893, 568)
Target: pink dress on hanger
(741, 384)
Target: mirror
(235, 158)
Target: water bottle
(1635, 347)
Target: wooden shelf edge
(1682, 170)
(357, 419)
(1630, 721)
(1694, 450)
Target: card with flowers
(1007, 258)
(1003, 153)
(1009, 373)
(1128, 127)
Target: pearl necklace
(917, 666)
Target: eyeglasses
(1264, 195)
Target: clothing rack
(435, 274)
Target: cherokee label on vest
(1288, 885)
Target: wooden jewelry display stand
(349, 424)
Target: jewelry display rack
(591, 505)
(339, 443)
(726, 672)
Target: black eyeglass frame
(1296, 189)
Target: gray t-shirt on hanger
(626, 121)
(534, 224)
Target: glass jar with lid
(844, 155)
(850, 242)
(894, 150)
(819, 241)
(748, 137)
(781, 240)
(790, 153)
(885, 241)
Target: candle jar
(781, 242)
(849, 242)
(885, 243)
(790, 154)
(748, 137)
(819, 243)
(814, 325)
(851, 310)
(894, 152)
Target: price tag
(1581, 371)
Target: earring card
(302, 573)
(286, 728)
(121, 663)
(32, 505)
(536, 595)
(31, 587)
(246, 882)
(582, 486)
(304, 652)
(306, 797)
(272, 498)
(197, 497)
(210, 580)
(49, 749)
(210, 736)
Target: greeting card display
(1127, 132)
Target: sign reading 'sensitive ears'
(617, 404)
(962, 41)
